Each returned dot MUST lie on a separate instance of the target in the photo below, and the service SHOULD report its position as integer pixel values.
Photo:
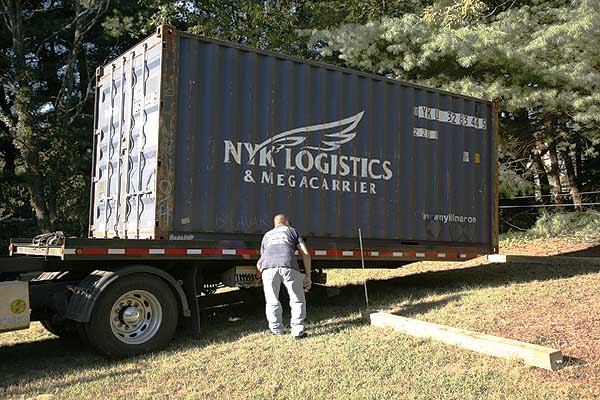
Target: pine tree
(541, 58)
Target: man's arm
(258, 267)
(258, 273)
(307, 264)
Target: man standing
(278, 264)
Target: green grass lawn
(344, 358)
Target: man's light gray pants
(294, 283)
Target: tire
(60, 329)
(135, 314)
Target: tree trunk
(36, 191)
(9, 155)
(23, 111)
(578, 163)
(7, 147)
(540, 150)
(554, 173)
(573, 184)
(542, 176)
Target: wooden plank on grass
(552, 260)
(531, 354)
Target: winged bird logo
(333, 135)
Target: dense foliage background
(540, 57)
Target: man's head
(281, 219)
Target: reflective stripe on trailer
(252, 252)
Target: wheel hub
(131, 315)
(136, 317)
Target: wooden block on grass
(531, 354)
(552, 260)
(497, 258)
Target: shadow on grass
(408, 289)
(24, 363)
(422, 284)
(571, 361)
(588, 252)
(423, 307)
(54, 358)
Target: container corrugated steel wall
(337, 150)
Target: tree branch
(66, 27)
(82, 27)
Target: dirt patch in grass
(551, 247)
(523, 244)
(562, 314)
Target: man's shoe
(302, 335)
(274, 333)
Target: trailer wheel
(135, 314)
(60, 329)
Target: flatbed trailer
(76, 296)
(182, 190)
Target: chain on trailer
(49, 239)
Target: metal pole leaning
(362, 260)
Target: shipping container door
(126, 143)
